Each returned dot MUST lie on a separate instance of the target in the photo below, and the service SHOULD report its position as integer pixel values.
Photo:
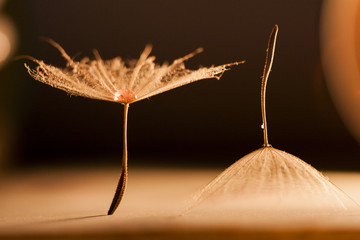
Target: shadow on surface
(69, 219)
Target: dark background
(204, 124)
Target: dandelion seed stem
(268, 63)
(120, 189)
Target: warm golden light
(340, 45)
(8, 42)
(5, 47)
(8, 39)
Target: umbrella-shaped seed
(269, 179)
(123, 82)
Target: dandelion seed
(270, 180)
(123, 82)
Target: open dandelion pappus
(123, 82)
(269, 180)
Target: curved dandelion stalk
(120, 189)
(268, 179)
(268, 64)
(122, 82)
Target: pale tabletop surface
(72, 204)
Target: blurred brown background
(205, 124)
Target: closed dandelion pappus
(269, 180)
(122, 82)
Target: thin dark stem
(268, 63)
(120, 189)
